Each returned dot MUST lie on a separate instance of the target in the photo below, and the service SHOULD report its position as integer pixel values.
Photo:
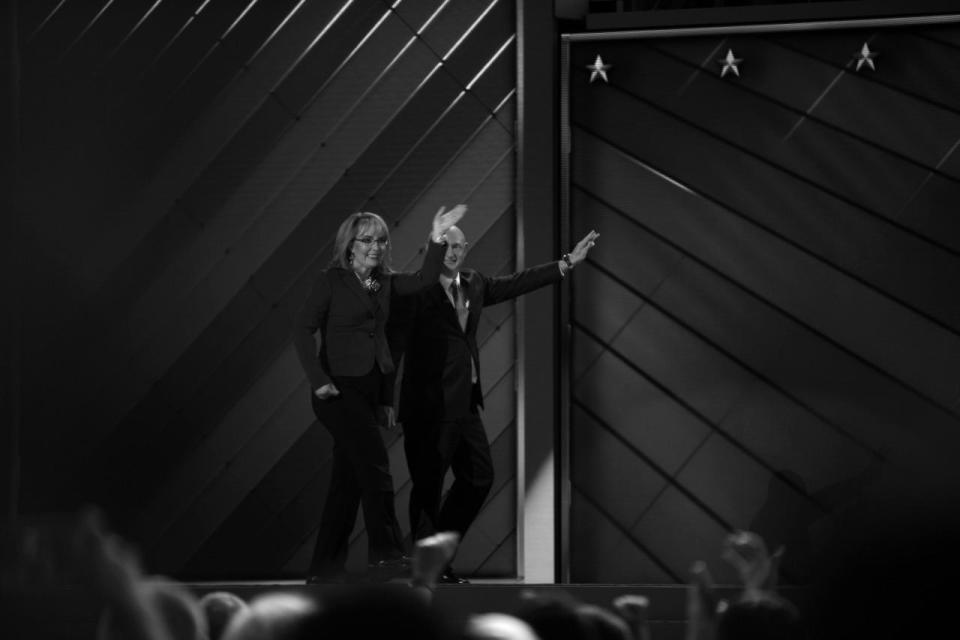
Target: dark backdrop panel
(767, 332)
(186, 167)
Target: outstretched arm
(507, 287)
(579, 252)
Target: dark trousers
(433, 448)
(360, 477)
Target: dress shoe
(449, 577)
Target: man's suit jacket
(352, 322)
(437, 378)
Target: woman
(352, 383)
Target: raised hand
(104, 558)
(703, 606)
(328, 390)
(747, 552)
(431, 556)
(633, 608)
(579, 253)
(443, 220)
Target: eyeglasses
(369, 240)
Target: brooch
(371, 284)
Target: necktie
(456, 292)
(459, 304)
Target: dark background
(185, 166)
(769, 336)
(764, 343)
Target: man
(440, 393)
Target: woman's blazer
(351, 320)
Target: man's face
(456, 251)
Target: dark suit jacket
(352, 322)
(436, 382)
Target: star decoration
(865, 57)
(730, 64)
(598, 69)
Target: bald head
(455, 234)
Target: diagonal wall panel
(226, 273)
(767, 334)
(250, 130)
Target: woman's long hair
(347, 233)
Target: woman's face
(369, 247)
